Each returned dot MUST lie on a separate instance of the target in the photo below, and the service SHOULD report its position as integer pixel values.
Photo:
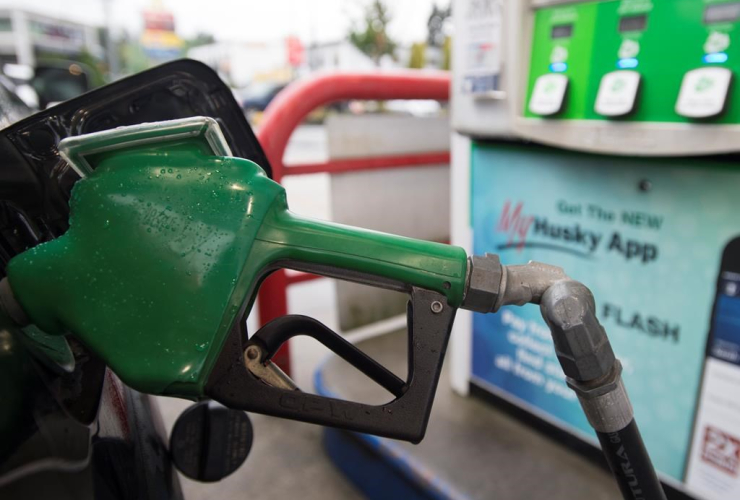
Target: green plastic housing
(673, 41)
(168, 243)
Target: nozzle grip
(405, 418)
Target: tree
(371, 37)
(446, 55)
(418, 55)
(131, 55)
(436, 25)
(436, 49)
(200, 39)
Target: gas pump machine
(602, 136)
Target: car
(12, 106)
(259, 95)
(69, 428)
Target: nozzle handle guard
(430, 321)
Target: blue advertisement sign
(646, 236)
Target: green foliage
(197, 41)
(446, 54)
(418, 56)
(133, 57)
(437, 41)
(371, 37)
(94, 67)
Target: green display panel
(660, 39)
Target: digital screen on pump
(562, 31)
(722, 13)
(725, 344)
(632, 23)
(714, 462)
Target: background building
(27, 36)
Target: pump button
(617, 93)
(703, 92)
(548, 94)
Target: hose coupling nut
(483, 283)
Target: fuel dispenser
(601, 136)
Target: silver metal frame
(74, 150)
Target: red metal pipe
(298, 277)
(293, 104)
(375, 163)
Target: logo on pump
(559, 54)
(618, 85)
(628, 49)
(704, 83)
(716, 42)
(572, 238)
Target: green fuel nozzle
(169, 239)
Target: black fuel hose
(595, 374)
(630, 463)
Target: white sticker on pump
(703, 92)
(617, 93)
(548, 94)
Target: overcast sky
(246, 20)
